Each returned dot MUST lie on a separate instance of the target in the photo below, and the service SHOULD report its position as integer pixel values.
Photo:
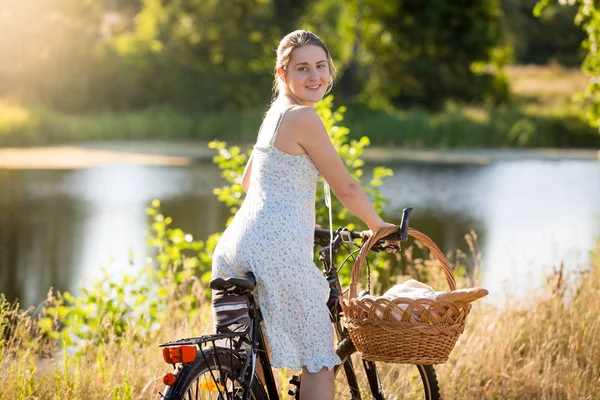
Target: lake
(59, 228)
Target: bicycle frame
(257, 341)
(255, 336)
(259, 344)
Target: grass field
(550, 84)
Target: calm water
(59, 228)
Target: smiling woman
(293, 150)
(307, 77)
(309, 63)
(284, 162)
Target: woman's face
(307, 74)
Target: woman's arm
(247, 174)
(310, 133)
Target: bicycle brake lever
(385, 247)
(380, 246)
(391, 246)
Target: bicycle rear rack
(199, 340)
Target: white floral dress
(272, 237)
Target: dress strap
(279, 124)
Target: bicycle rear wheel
(213, 376)
(395, 381)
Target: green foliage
(136, 304)
(89, 56)
(17, 123)
(408, 53)
(351, 151)
(185, 64)
(534, 124)
(34, 126)
(552, 125)
(104, 311)
(588, 16)
(231, 161)
(549, 37)
(208, 55)
(124, 392)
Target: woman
(272, 233)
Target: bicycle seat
(248, 283)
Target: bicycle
(223, 365)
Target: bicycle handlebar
(323, 236)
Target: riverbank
(163, 153)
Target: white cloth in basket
(411, 289)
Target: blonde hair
(291, 41)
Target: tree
(202, 55)
(549, 37)
(288, 12)
(425, 50)
(588, 17)
(409, 52)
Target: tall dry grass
(543, 347)
(129, 366)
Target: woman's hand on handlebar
(394, 244)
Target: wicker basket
(403, 330)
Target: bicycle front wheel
(356, 379)
(213, 376)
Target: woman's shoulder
(289, 109)
(296, 118)
(304, 116)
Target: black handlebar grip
(403, 233)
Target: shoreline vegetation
(541, 113)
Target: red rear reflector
(179, 354)
(169, 379)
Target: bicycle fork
(373, 378)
